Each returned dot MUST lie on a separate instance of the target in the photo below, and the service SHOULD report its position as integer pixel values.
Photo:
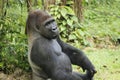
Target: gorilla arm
(77, 57)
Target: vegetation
(99, 28)
(102, 22)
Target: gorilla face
(49, 29)
(41, 22)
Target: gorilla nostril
(54, 29)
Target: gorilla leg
(38, 74)
(83, 76)
(35, 77)
(74, 76)
(77, 76)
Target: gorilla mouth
(54, 36)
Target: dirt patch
(18, 74)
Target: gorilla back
(46, 56)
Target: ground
(107, 63)
(17, 75)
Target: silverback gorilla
(50, 57)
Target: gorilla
(49, 57)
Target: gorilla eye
(49, 22)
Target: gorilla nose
(54, 29)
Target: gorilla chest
(62, 59)
(57, 52)
(55, 47)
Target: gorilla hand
(91, 72)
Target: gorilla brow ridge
(48, 22)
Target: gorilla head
(41, 22)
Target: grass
(107, 63)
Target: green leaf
(69, 10)
(1, 64)
(74, 18)
(64, 23)
(63, 12)
(58, 15)
(62, 28)
(72, 37)
(70, 22)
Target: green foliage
(97, 2)
(103, 20)
(70, 28)
(13, 47)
